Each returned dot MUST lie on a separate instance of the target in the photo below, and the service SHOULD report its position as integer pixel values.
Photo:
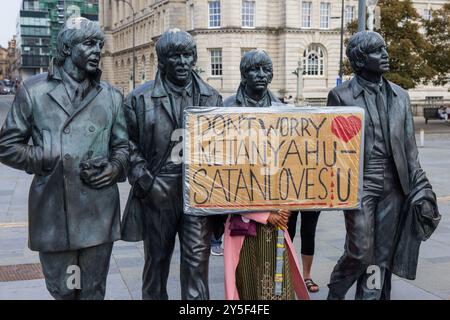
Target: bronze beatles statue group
(85, 138)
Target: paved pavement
(124, 278)
(5, 103)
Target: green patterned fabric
(256, 269)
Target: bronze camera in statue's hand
(92, 167)
(98, 172)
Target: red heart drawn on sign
(346, 128)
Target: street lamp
(341, 45)
(371, 4)
(134, 42)
(299, 73)
(199, 70)
(361, 15)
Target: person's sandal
(312, 287)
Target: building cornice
(141, 15)
(127, 50)
(239, 30)
(260, 30)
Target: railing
(417, 106)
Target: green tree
(408, 48)
(437, 32)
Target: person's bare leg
(307, 261)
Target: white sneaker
(217, 251)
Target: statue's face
(377, 61)
(178, 66)
(86, 55)
(258, 77)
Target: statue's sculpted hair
(252, 58)
(75, 31)
(361, 44)
(174, 40)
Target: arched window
(152, 66)
(143, 29)
(143, 67)
(314, 60)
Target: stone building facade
(4, 63)
(38, 25)
(292, 31)
(13, 57)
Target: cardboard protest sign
(242, 159)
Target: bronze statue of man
(154, 113)
(79, 151)
(392, 174)
(256, 69)
(256, 74)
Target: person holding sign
(250, 240)
(154, 113)
(392, 178)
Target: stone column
(107, 14)
(101, 9)
(114, 12)
(128, 10)
(121, 10)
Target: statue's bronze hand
(427, 207)
(142, 186)
(103, 178)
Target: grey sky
(9, 9)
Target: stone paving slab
(116, 289)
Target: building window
(349, 14)
(152, 66)
(216, 62)
(306, 14)
(31, 5)
(144, 66)
(325, 11)
(192, 14)
(426, 14)
(164, 21)
(214, 13)
(248, 13)
(313, 61)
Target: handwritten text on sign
(294, 158)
